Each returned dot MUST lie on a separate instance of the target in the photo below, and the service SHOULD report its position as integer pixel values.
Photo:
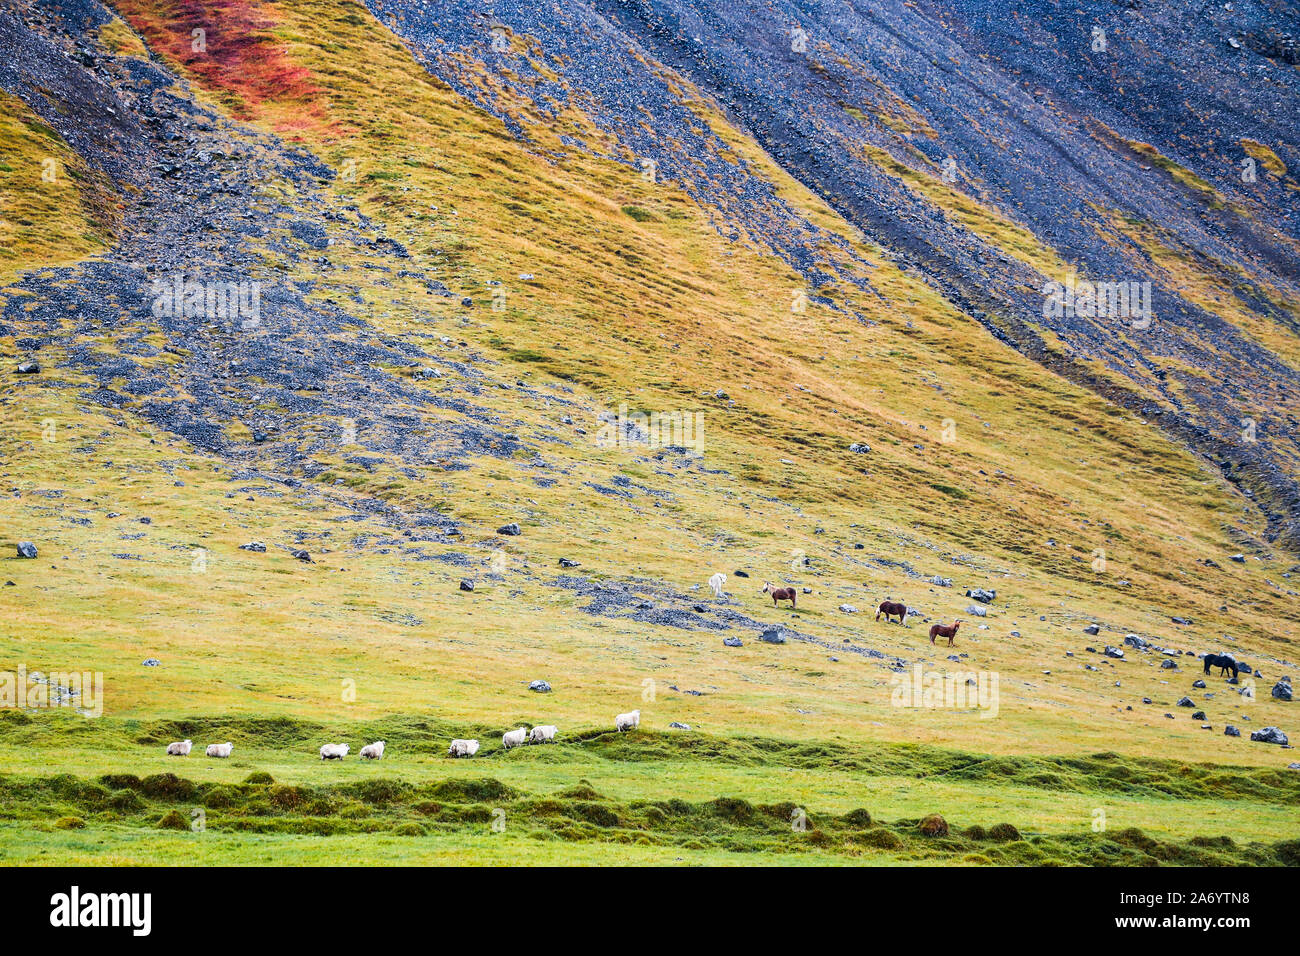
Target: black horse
(1224, 662)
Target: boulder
(28, 368)
(732, 642)
(1186, 702)
(1132, 640)
(1199, 715)
(1269, 735)
(1231, 731)
(467, 585)
(540, 686)
(1114, 652)
(1199, 685)
(253, 546)
(26, 549)
(511, 529)
(1092, 630)
(977, 610)
(848, 609)
(1282, 689)
(981, 595)
(773, 635)
(675, 725)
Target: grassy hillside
(983, 468)
(52, 209)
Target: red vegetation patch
(236, 56)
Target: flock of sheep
(544, 734)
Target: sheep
(334, 751)
(463, 748)
(180, 748)
(220, 750)
(544, 734)
(716, 582)
(373, 751)
(514, 738)
(628, 721)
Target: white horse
(716, 582)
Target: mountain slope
(374, 419)
(992, 152)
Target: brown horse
(890, 609)
(780, 594)
(945, 630)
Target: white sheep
(544, 734)
(220, 750)
(334, 751)
(627, 721)
(463, 748)
(180, 748)
(716, 582)
(514, 738)
(373, 751)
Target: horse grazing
(1224, 662)
(780, 594)
(945, 630)
(890, 609)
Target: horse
(1224, 662)
(780, 594)
(945, 630)
(716, 583)
(891, 608)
